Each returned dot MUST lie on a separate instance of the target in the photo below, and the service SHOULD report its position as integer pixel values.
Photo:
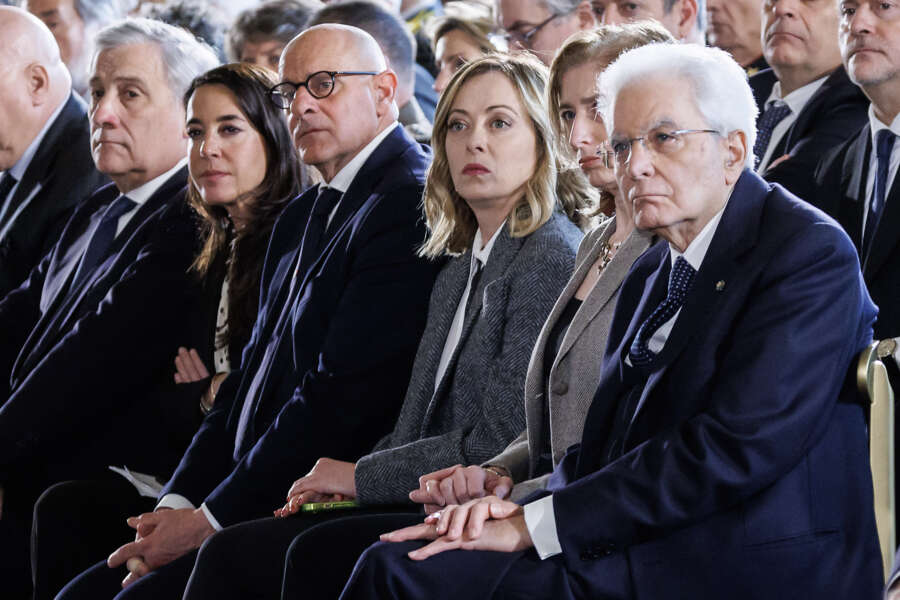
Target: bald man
(341, 313)
(45, 154)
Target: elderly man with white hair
(723, 456)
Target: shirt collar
(342, 180)
(696, 250)
(18, 169)
(876, 125)
(797, 99)
(143, 192)
(481, 254)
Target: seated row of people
(344, 291)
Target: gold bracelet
(205, 407)
(496, 471)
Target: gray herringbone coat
(576, 370)
(478, 406)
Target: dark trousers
(75, 524)
(15, 526)
(247, 561)
(385, 571)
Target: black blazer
(90, 367)
(841, 179)
(60, 176)
(835, 112)
(338, 371)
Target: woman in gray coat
(565, 365)
(491, 205)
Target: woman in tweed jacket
(492, 207)
(565, 366)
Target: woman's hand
(458, 485)
(189, 366)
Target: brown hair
(245, 250)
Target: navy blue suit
(61, 174)
(834, 113)
(731, 469)
(336, 381)
(87, 367)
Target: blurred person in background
(459, 36)
(259, 34)
(735, 26)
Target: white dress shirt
(142, 193)
(479, 254)
(341, 182)
(795, 101)
(539, 516)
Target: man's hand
(189, 366)
(329, 480)
(484, 524)
(162, 537)
(458, 485)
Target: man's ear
(735, 155)
(385, 88)
(37, 82)
(586, 17)
(687, 17)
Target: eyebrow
(663, 122)
(489, 108)
(48, 13)
(221, 119)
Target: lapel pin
(720, 285)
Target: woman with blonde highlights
(565, 365)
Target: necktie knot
(680, 281)
(774, 114)
(119, 207)
(326, 200)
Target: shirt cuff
(541, 523)
(174, 501)
(209, 517)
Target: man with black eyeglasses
(344, 302)
(541, 26)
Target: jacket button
(560, 388)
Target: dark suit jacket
(834, 113)
(335, 380)
(841, 179)
(60, 175)
(478, 406)
(89, 367)
(739, 473)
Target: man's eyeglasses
(319, 85)
(660, 142)
(523, 38)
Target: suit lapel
(486, 294)
(849, 211)
(735, 234)
(887, 235)
(811, 110)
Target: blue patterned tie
(884, 145)
(103, 237)
(774, 114)
(679, 284)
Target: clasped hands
(161, 537)
(467, 511)
(329, 481)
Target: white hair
(720, 87)
(184, 56)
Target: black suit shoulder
(61, 175)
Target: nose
(782, 8)
(639, 164)
(860, 22)
(440, 82)
(580, 137)
(302, 103)
(611, 15)
(103, 111)
(209, 146)
(477, 140)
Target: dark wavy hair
(245, 250)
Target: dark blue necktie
(884, 145)
(771, 117)
(7, 183)
(102, 238)
(314, 235)
(679, 284)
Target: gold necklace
(607, 253)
